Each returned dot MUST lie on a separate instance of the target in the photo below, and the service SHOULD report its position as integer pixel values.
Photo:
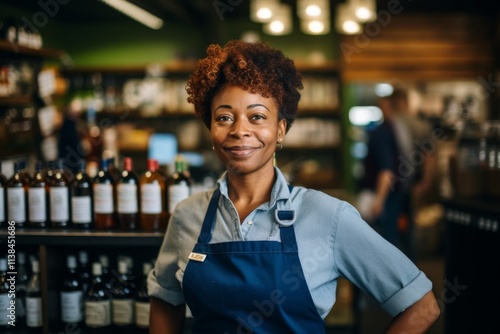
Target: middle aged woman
(256, 255)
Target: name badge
(197, 257)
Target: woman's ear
(281, 128)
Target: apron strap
(208, 222)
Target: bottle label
(177, 193)
(142, 314)
(2, 204)
(16, 205)
(123, 311)
(127, 198)
(37, 205)
(81, 209)
(103, 198)
(151, 198)
(34, 311)
(98, 313)
(72, 306)
(59, 204)
(4, 312)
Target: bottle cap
(152, 164)
(96, 269)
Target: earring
(213, 148)
(279, 145)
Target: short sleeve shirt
(333, 241)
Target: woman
(255, 255)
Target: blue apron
(248, 286)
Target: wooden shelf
(21, 100)
(72, 237)
(10, 48)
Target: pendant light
(281, 22)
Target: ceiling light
(365, 10)
(345, 21)
(320, 26)
(262, 11)
(281, 23)
(136, 13)
(309, 9)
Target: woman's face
(245, 130)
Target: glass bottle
(82, 212)
(22, 279)
(104, 198)
(106, 273)
(71, 294)
(127, 197)
(179, 185)
(17, 190)
(3, 198)
(122, 298)
(141, 304)
(84, 270)
(97, 301)
(34, 298)
(59, 196)
(4, 295)
(38, 203)
(113, 170)
(152, 194)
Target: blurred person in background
(397, 170)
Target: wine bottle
(113, 170)
(97, 301)
(60, 196)
(122, 298)
(152, 194)
(84, 270)
(106, 275)
(71, 294)
(127, 194)
(82, 212)
(38, 203)
(34, 298)
(141, 304)
(17, 190)
(22, 279)
(179, 185)
(104, 198)
(4, 295)
(3, 198)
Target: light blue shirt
(333, 241)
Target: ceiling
(203, 12)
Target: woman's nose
(240, 128)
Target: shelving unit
(52, 246)
(25, 135)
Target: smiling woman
(274, 250)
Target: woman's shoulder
(318, 199)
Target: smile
(241, 151)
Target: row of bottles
(96, 298)
(21, 32)
(20, 294)
(104, 297)
(111, 200)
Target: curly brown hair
(253, 66)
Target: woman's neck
(248, 192)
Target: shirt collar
(280, 189)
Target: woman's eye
(257, 117)
(223, 118)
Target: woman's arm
(417, 318)
(166, 318)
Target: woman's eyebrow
(226, 106)
(257, 105)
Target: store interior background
(437, 49)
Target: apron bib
(248, 286)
